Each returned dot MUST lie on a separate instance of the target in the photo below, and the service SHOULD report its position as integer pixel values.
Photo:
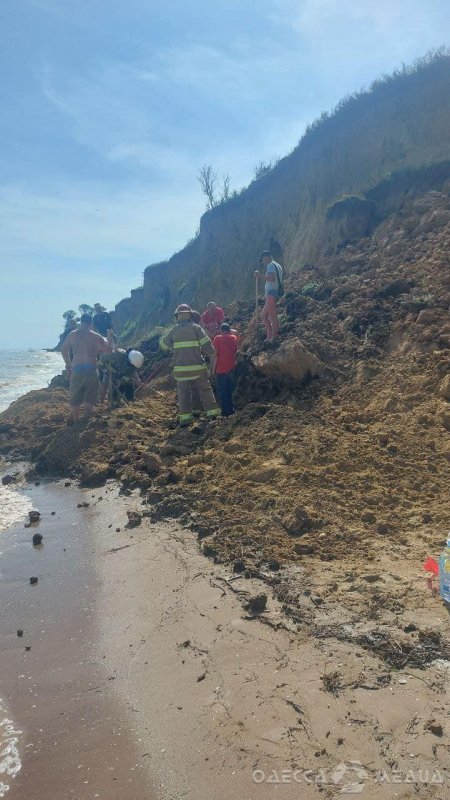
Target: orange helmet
(183, 309)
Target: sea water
(24, 370)
(13, 507)
(9, 751)
(20, 372)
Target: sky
(111, 107)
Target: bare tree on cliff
(207, 179)
(225, 189)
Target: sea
(24, 370)
(20, 372)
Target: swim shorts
(84, 387)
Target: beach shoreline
(74, 741)
(147, 670)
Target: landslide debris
(337, 461)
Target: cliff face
(348, 173)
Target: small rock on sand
(34, 516)
(435, 728)
(33, 581)
(7, 479)
(37, 538)
(134, 519)
(257, 604)
(20, 633)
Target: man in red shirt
(224, 362)
(212, 319)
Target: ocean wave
(13, 507)
(21, 372)
(10, 763)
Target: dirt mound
(332, 469)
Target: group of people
(95, 366)
(204, 347)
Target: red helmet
(183, 309)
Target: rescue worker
(124, 365)
(190, 344)
(196, 401)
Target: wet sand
(146, 678)
(76, 742)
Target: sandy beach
(147, 678)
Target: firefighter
(190, 344)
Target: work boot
(185, 420)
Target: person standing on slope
(80, 351)
(273, 289)
(190, 344)
(212, 319)
(226, 347)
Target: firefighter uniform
(189, 344)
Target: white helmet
(136, 358)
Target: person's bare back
(80, 351)
(85, 346)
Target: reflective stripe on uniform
(190, 368)
(190, 378)
(177, 345)
(205, 340)
(163, 345)
(214, 412)
(185, 417)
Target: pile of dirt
(337, 461)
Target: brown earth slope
(331, 482)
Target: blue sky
(110, 107)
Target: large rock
(291, 360)
(152, 464)
(300, 521)
(94, 474)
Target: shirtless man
(80, 351)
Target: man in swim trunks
(84, 346)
